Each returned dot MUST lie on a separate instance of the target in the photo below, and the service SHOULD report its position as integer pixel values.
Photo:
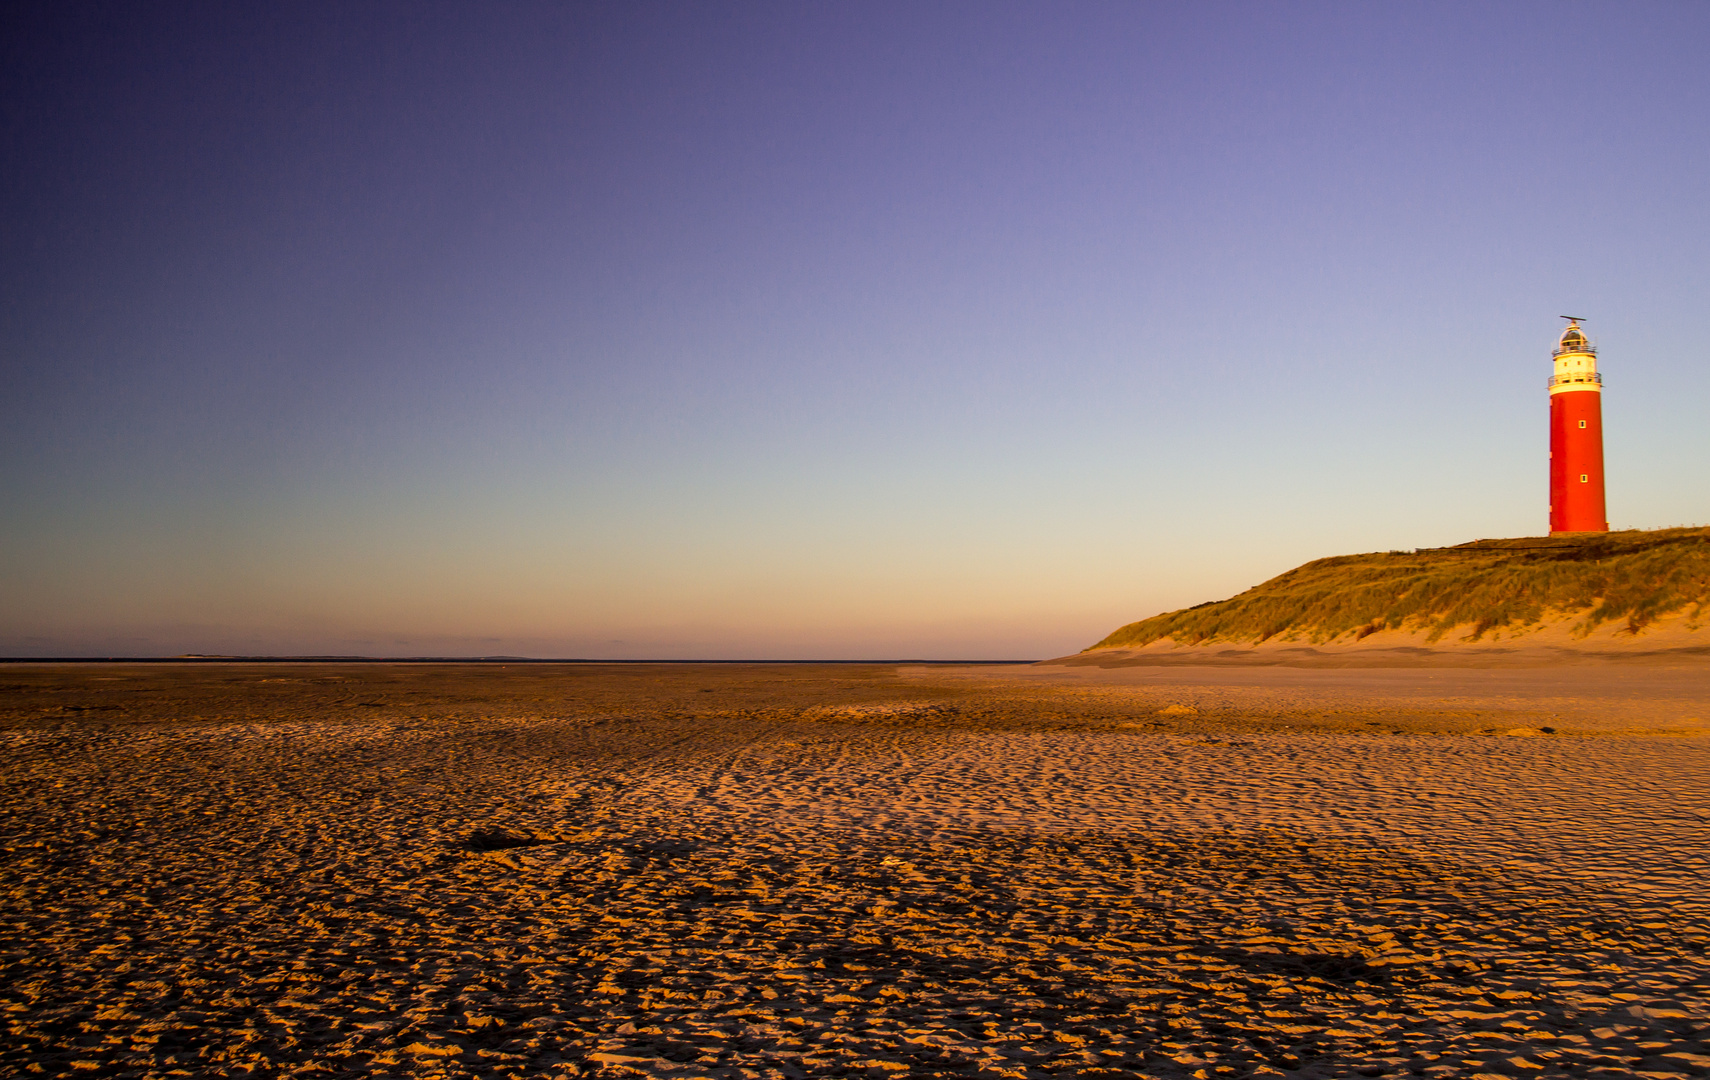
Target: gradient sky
(813, 330)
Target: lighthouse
(1576, 436)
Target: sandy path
(790, 872)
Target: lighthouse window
(1584, 479)
(1582, 423)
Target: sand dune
(1628, 591)
(797, 871)
(1670, 641)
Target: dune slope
(1622, 581)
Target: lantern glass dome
(1574, 341)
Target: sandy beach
(830, 870)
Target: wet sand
(786, 871)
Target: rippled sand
(786, 871)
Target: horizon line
(210, 658)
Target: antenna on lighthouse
(1572, 318)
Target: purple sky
(797, 330)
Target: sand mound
(1531, 600)
(1675, 639)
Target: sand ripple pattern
(1629, 815)
(909, 887)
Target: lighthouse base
(1578, 532)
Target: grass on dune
(1596, 578)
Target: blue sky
(813, 330)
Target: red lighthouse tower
(1576, 436)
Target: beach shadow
(499, 840)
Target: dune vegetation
(1637, 576)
